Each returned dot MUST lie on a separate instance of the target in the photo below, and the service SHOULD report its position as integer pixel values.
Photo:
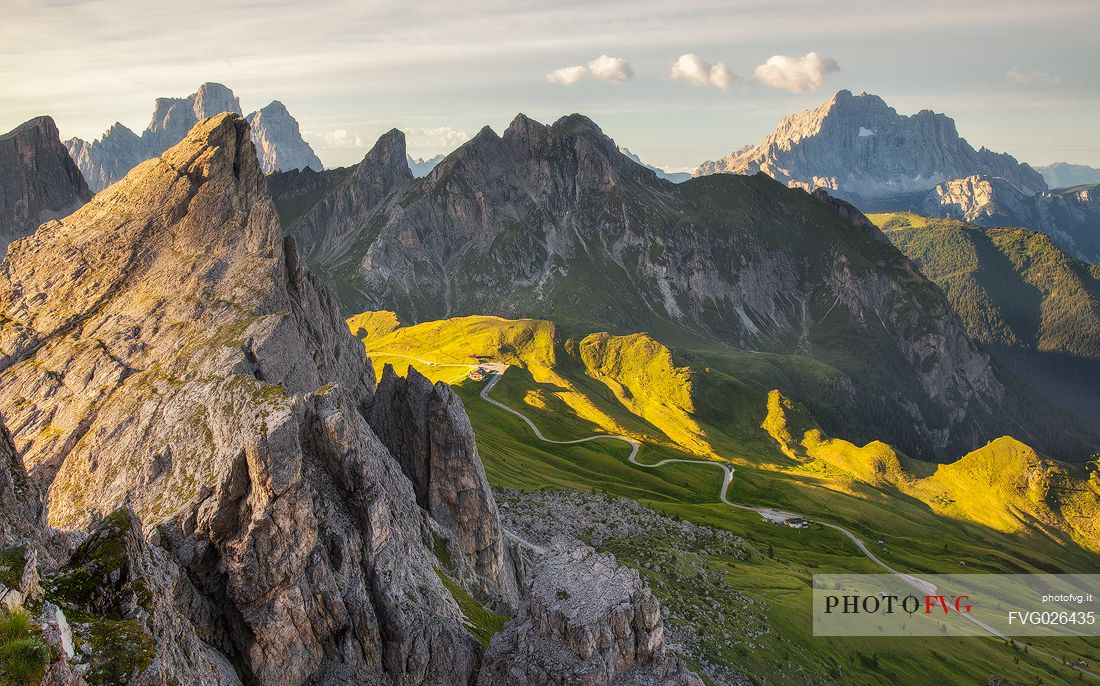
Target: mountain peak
(38, 179)
(279, 141)
(578, 123)
(44, 124)
(388, 152)
(275, 106)
(860, 148)
(217, 147)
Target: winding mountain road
(496, 372)
(770, 514)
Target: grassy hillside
(1033, 306)
(719, 407)
(1010, 286)
(887, 499)
(1004, 485)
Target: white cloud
(1030, 78)
(340, 138)
(696, 70)
(796, 74)
(604, 68)
(447, 137)
(610, 69)
(567, 76)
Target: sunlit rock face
(38, 181)
(164, 348)
(860, 147)
(1070, 216)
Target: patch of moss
(12, 562)
(442, 550)
(120, 650)
(82, 582)
(480, 622)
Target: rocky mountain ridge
(275, 133)
(861, 148)
(38, 181)
(189, 373)
(279, 142)
(1070, 216)
(1064, 175)
(1035, 308)
(554, 222)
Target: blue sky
(1016, 76)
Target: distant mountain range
(1070, 216)
(859, 148)
(278, 140)
(555, 222)
(1064, 175)
(674, 177)
(420, 167)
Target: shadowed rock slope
(1031, 305)
(38, 181)
(554, 222)
(164, 348)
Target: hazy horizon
(676, 85)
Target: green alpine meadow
(549, 344)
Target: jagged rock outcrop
(425, 427)
(23, 515)
(326, 231)
(164, 347)
(136, 609)
(1070, 216)
(586, 621)
(38, 180)
(173, 118)
(862, 149)
(106, 160)
(279, 142)
(982, 199)
(553, 222)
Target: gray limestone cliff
(586, 621)
(165, 349)
(279, 142)
(860, 147)
(425, 427)
(38, 180)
